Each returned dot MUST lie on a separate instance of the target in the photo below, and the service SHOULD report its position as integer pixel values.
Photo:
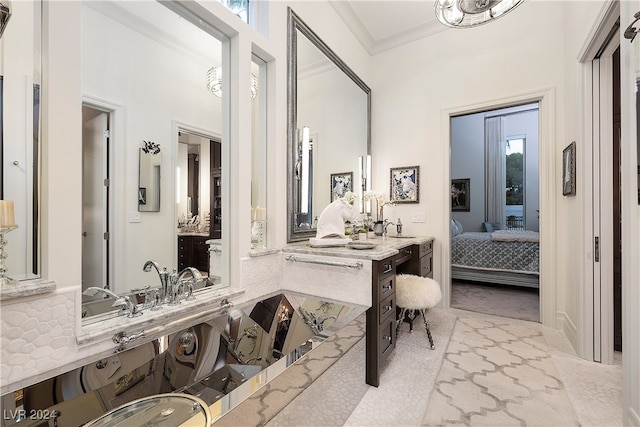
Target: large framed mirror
(20, 127)
(151, 83)
(329, 127)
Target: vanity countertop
(387, 246)
(193, 233)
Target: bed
(509, 257)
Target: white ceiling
(382, 25)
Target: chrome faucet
(164, 278)
(386, 224)
(178, 283)
(123, 302)
(399, 227)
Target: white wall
(450, 70)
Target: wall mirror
(149, 170)
(153, 79)
(20, 72)
(329, 118)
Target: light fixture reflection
(471, 13)
(214, 82)
(304, 199)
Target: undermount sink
(158, 410)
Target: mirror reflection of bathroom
(20, 127)
(143, 99)
(198, 184)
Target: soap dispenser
(399, 227)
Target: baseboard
(566, 325)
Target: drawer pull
(408, 251)
(387, 308)
(388, 268)
(387, 287)
(387, 337)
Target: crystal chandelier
(214, 82)
(471, 13)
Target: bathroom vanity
(220, 359)
(390, 256)
(193, 251)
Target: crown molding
(375, 46)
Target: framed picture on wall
(142, 196)
(340, 184)
(405, 184)
(569, 170)
(461, 195)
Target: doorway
(500, 200)
(95, 198)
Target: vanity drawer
(386, 338)
(404, 255)
(386, 267)
(426, 248)
(426, 265)
(386, 287)
(386, 308)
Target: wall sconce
(364, 163)
(304, 199)
(214, 82)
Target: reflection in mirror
(149, 178)
(153, 86)
(218, 359)
(259, 158)
(20, 69)
(328, 129)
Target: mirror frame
(295, 24)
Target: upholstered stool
(416, 293)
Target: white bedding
(515, 236)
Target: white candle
(261, 214)
(6, 213)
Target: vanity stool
(416, 293)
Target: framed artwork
(142, 196)
(569, 170)
(340, 184)
(404, 184)
(461, 194)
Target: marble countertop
(193, 233)
(386, 247)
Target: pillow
(454, 229)
(459, 225)
(490, 227)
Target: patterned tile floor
(485, 370)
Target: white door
(602, 202)
(95, 226)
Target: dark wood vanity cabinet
(381, 319)
(193, 251)
(416, 259)
(215, 207)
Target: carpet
(497, 373)
(515, 302)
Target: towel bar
(357, 265)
